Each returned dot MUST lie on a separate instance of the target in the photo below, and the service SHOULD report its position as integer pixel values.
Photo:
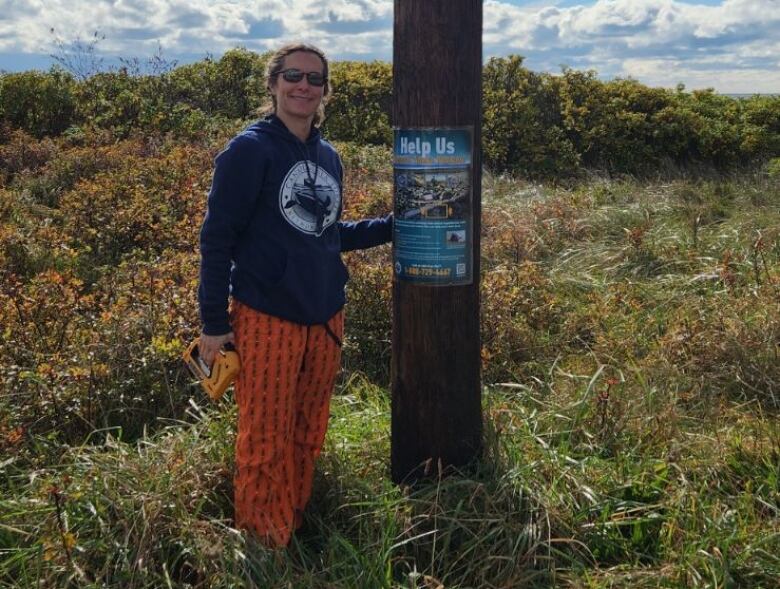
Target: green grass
(547, 507)
(631, 336)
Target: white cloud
(659, 42)
(732, 45)
(657, 72)
(176, 24)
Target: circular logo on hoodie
(309, 200)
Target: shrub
(718, 131)
(360, 105)
(110, 100)
(762, 127)
(773, 168)
(145, 204)
(534, 125)
(614, 124)
(40, 103)
(522, 130)
(232, 87)
(21, 152)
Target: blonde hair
(276, 64)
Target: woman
(272, 240)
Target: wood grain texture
(436, 409)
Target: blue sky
(730, 45)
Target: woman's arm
(358, 235)
(231, 203)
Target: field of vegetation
(630, 344)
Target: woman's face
(298, 101)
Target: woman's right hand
(210, 345)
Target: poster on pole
(432, 204)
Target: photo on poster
(456, 238)
(432, 193)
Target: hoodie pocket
(259, 276)
(267, 271)
(276, 274)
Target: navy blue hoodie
(272, 237)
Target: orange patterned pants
(283, 394)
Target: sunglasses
(295, 75)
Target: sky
(732, 46)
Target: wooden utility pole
(437, 103)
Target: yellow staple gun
(216, 379)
